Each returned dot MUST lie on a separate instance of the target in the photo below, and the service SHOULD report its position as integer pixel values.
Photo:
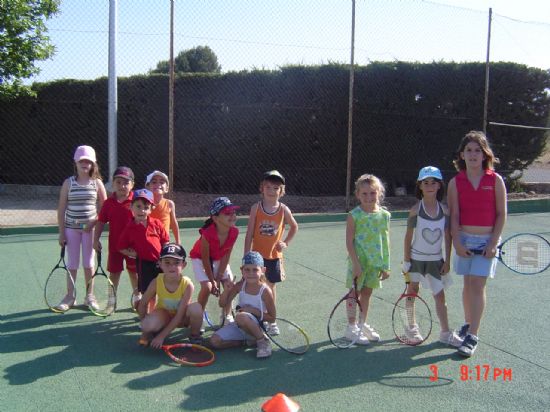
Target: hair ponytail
(207, 222)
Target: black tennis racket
(189, 354)
(411, 317)
(524, 253)
(60, 291)
(103, 289)
(342, 327)
(291, 337)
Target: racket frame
(281, 345)
(398, 306)
(100, 272)
(168, 348)
(59, 265)
(351, 294)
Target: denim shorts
(476, 265)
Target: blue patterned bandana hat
(253, 258)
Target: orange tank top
(268, 230)
(162, 213)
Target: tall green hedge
(231, 127)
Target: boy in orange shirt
(165, 209)
(266, 226)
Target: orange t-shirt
(268, 230)
(162, 213)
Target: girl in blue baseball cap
(427, 227)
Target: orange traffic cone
(280, 403)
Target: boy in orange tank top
(165, 209)
(266, 226)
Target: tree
(200, 59)
(23, 41)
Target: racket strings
(291, 337)
(59, 292)
(190, 354)
(412, 321)
(526, 253)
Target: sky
(268, 34)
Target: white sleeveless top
(428, 235)
(246, 299)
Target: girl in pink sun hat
(81, 196)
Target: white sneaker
(67, 303)
(351, 332)
(362, 339)
(229, 319)
(413, 333)
(370, 333)
(263, 348)
(450, 338)
(273, 329)
(91, 302)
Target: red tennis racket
(189, 354)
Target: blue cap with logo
(253, 258)
(145, 195)
(429, 171)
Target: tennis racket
(411, 318)
(342, 318)
(291, 337)
(189, 354)
(213, 314)
(104, 291)
(59, 291)
(524, 253)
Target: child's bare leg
(115, 278)
(194, 315)
(155, 321)
(441, 310)
(364, 299)
(133, 279)
(204, 293)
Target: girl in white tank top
(255, 305)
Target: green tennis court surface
(77, 361)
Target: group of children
(474, 221)
(140, 222)
(139, 225)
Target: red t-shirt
(217, 251)
(145, 240)
(118, 215)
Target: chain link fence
(217, 121)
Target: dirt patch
(18, 210)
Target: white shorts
(429, 282)
(233, 332)
(200, 274)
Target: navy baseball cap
(173, 250)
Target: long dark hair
(478, 137)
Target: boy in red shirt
(143, 238)
(116, 212)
